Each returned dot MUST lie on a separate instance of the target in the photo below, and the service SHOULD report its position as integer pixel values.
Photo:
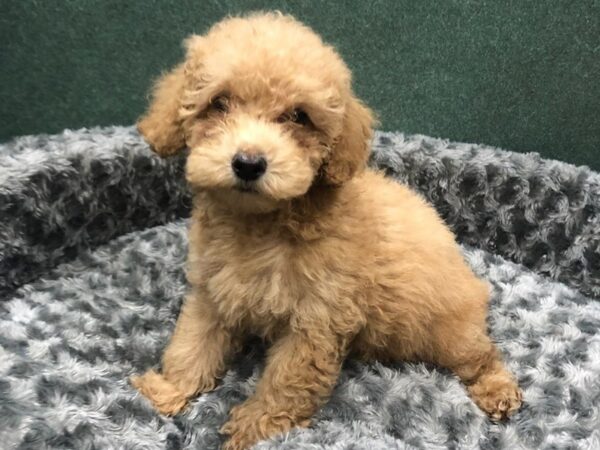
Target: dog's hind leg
(465, 348)
(192, 361)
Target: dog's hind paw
(499, 397)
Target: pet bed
(92, 252)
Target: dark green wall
(524, 75)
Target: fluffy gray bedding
(92, 246)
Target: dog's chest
(253, 284)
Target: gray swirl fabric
(60, 194)
(92, 247)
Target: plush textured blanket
(92, 246)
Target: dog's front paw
(165, 396)
(240, 441)
(244, 426)
(251, 422)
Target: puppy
(293, 239)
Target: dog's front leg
(192, 361)
(302, 368)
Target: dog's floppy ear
(161, 125)
(351, 150)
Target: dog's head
(266, 109)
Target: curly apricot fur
(324, 258)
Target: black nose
(248, 167)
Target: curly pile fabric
(92, 248)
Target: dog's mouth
(246, 188)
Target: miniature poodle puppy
(295, 240)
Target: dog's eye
(298, 116)
(220, 104)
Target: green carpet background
(520, 74)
